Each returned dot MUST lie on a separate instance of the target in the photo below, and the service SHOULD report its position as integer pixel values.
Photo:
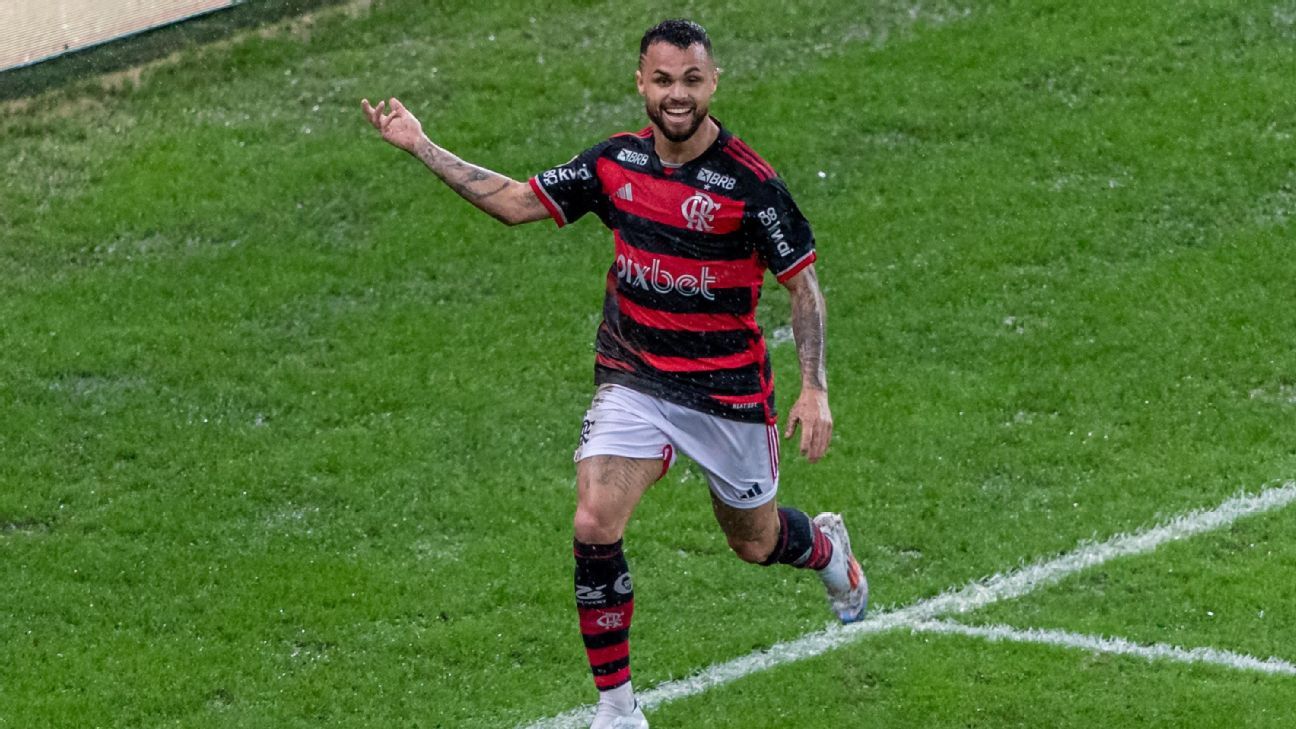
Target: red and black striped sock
(801, 543)
(605, 602)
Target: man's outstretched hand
(812, 414)
(399, 127)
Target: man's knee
(609, 488)
(753, 551)
(591, 527)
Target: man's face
(677, 85)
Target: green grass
(1226, 589)
(903, 680)
(287, 426)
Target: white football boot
(608, 716)
(847, 586)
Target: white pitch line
(1117, 646)
(973, 596)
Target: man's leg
(768, 535)
(608, 490)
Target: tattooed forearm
(504, 199)
(462, 177)
(809, 318)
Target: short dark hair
(678, 32)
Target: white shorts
(740, 459)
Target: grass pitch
(287, 426)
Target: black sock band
(796, 538)
(602, 575)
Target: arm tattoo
(809, 317)
(476, 185)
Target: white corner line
(1113, 645)
(973, 596)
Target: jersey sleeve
(782, 234)
(570, 190)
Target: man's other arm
(809, 319)
(503, 198)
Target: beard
(658, 118)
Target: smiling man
(681, 365)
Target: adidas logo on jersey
(625, 192)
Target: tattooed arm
(505, 199)
(811, 409)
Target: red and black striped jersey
(693, 243)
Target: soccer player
(681, 366)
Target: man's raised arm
(503, 198)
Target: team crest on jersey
(699, 212)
